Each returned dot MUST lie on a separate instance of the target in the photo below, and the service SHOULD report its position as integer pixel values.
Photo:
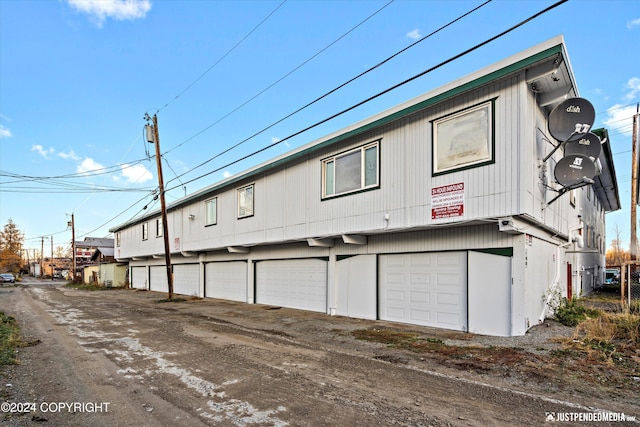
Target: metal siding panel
(489, 300)
(186, 279)
(158, 278)
(226, 280)
(300, 284)
(428, 289)
(139, 278)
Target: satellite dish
(588, 145)
(574, 169)
(571, 119)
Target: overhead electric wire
(441, 64)
(284, 77)
(325, 94)
(224, 56)
(477, 46)
(121, 213)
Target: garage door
(428, 289)
(139, 278)
(226, 280)
(295, 283)
(158, 278)
(186, 279)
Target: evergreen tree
(11, 240)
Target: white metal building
(437, 212)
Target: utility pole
(634, 185)
(153, 137)
(72, 224)
(42, 257)
(52, 263)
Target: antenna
(574, 169)
(570, 120)
(589, 145)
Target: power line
(327, 93)
(224, 56)
(279, 80)
(441, 64)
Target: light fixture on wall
(192, 217)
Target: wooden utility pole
(163, 206)
(73, 247)
(634, 186)
(52, 264)
(42, 257)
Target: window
(118, 239)
(145, 231)
(351, 171)
(211, 211)
(464, 139)
(245, 201)
(159, 227)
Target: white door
(186, 279)
(489, 294)
(428, 289)
(226, 280)
(357, 287)
(293, 283)
(158, 278)
(139, 278)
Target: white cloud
(634, 88)
(226, 174)
(619, 117)
(120, 10)
(136, 174)
(4, 132)
(88, 165)
(70, 155)
(633, 23)
(414, 35)
(40, 150)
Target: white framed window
(211, 211)
(145, 231)
(159, 227)
(118, 239)
(464, 139)
(245, 201)
(351, 171)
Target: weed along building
(445, 211)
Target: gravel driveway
(212, 362)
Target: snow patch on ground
(220, 407)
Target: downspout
(556, 279)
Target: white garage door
(428, 289)
(139, 278)
(158, 278)
(294, 283)
(226, 280)
(186, 279)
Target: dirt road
(121, 358)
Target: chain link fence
(630, 284)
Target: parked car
(7, 278)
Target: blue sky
(78, 76)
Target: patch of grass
(572, 312)
(9, 339)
